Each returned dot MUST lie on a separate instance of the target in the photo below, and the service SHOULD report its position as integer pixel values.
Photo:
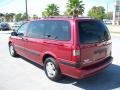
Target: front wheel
(52, 69)
(12, 50)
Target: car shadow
(106, 80)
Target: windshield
(93, 31)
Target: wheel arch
(9, 42)
(46, 56)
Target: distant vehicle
(16, 25)
(4, 26)
(77, 47)
(108, 22)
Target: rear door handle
(60, 44)
(45, 42)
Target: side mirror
(14, 34)
(20, 34)
(14, 30)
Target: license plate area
(99, 54)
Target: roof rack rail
(81, 17)
(85, 17)
(59, 17)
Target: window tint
(93, 31)
(36, 29)
(22, 30)
(57, 29)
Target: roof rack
(86, 17)
(81, 17)
(59, 17)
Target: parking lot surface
(21, 74)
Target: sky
(38, 6)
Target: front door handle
(25, 39)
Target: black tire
(57, 75)
(12, 50)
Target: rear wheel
(52, 69)
(12, 50)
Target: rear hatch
(95, 44)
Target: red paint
(35, 49)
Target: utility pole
(26, 10)
(107, 9)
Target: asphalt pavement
(21, 74)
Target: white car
(16, 25)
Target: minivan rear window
(93, 31)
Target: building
(116, 14)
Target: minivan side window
(57, 29)
(36, 29)
(22, 29)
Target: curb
(5, 32)
(115, 32)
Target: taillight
(76, 54)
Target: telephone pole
(26, 10)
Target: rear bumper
(86, 71)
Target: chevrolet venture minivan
(76, 47)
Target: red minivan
(76, 47)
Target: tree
(75, 8)
(1, 17)
(24, 16)
(109, 15)
(97, 12)
(35, 17)
(1, 14)
(18, 17)
(51, 10)
(9, 17)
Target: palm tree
(51, 10)
(75, 8)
